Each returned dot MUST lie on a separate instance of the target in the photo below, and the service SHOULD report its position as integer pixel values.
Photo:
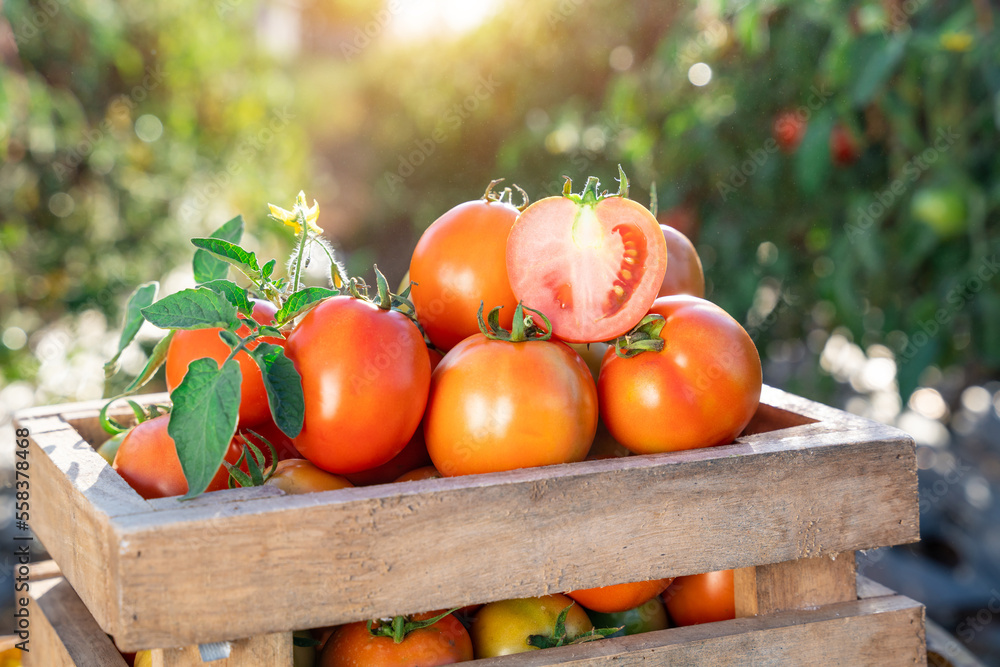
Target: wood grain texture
(264, 651)
(828, 483)
(63, 633)
(797, 584)
(881, 632)
(75, 495)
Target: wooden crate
(787, 504)
(879, 628)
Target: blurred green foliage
(129, 127)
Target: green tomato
(650, 615)
(303, 656)
(109, 448)
(942, 209)
(503, 628)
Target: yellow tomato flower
(291, 218)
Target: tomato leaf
(203, 419)
(198, 308)
(267, 330)
(229, 338)
(233, 254)
(156, 359)
(207, 267)
(268, 268)
(301, 301)
(284, 387)
(812, 161)
(143, 296)
(234, 294)
(878, 66)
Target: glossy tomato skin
(700, 390)
(444, 643)
(503, 628)
(684, 274)
(593, 269)
(147, 460)
(619, 597)
(365, 374)
(460, 261)
(186, 346)
(295, 476)
(497, 405)
(649, 616)
(701, 598)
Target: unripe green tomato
(650, 615)
(942, 209)
(503, 628)
(303, 656)
(109, 447)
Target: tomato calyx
(591, 193)
(644, 337)
(257, 473)
(141, 414)
(559, 636)
(398, 627)
(522, 329)
(507, 193)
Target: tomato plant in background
(788, 130)
(699, 389)
(942, 208)
(619, 597)
(421, 640)
(844, 147)
(592, 262)
(504, 400)
(507, 627)
(459, 262)
(701, 598)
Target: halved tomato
(592, 262)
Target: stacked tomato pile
(523, 336)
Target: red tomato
(460, 261)
(295, 476)
(789, 128)
(701, 598)
(444, 643)
(496, 405)
(620, 597)
(186, 346)
(413, 456)
(700, 390)
(147, 460)
(365, 374)
(427, 472)
(684, 274)
(592, 264)
(844, 148)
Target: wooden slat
(944, 650)
(541, 531)
(880, 632)
(797, 584)
(63, 633)
(75, 495)
(265, 651)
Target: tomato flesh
(593, 269)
